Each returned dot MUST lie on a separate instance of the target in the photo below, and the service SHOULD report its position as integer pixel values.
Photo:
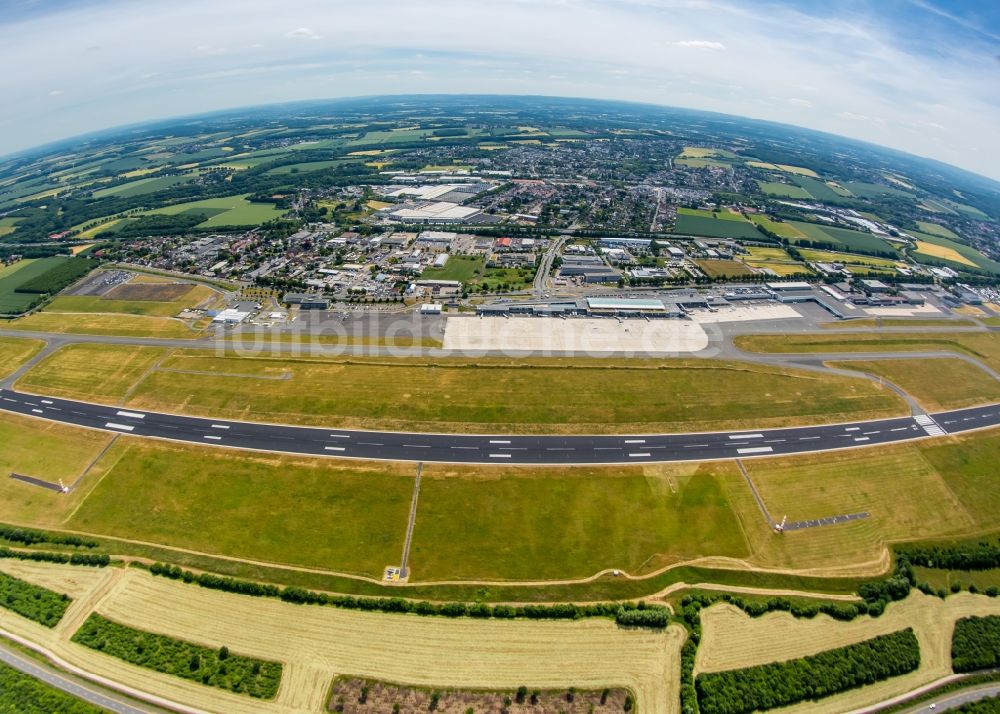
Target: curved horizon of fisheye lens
(554, 356)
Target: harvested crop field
(731, 639)
(158, 292)
(943, 252)
(438, 652)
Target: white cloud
(302, 33)
(700, 44)
(796, 102)
(56, 92)
(209, 50)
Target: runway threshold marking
(756, 450)
(123, 427)
(131, 415)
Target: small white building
(230, 316)
(431, 308)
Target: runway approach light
(780, 528)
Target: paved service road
(498, 449)
(56, 680)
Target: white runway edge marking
(213, 438)
(131, 415)
(756, 450)
(123, 427)
(499, 456)
(862, 438)
(638, 455)
(46, 401)
(219, 426)
(853, 428)
(635, 441)
(339, 436)
(334, 448)
(499, 441)
(746, 436)
(37, 411)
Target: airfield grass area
(103, 324)
(983, 345)
(482, 395)
(15, 351)
(70, 372)
(894, 484)
(938, 384)
(544, 523)
(723, 268)
(914, 322)
(731, 640)
(310, 512)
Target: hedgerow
(96, 560)
(975, 643)
(31, 536)
(32, 601)
(778, 684)
(216, 668)
(621, 612)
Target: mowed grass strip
(91, 371)
(938, 384)
(344, 516)
(984, 345)
(178, 297)
(15, 351)
(45, 450)
(104, 324)
(557, 396)
(905, 493)
(538, 524)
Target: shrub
(975, 643)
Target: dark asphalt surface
(498, 449)
(54, 679)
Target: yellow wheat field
(70, 580)
(733, 640)
(943, 252)
(317, 643)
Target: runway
(500, 448)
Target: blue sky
(917, 75)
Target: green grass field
(783, 190)
(875, 190)
(728, 268)
(844, 239)
(194, 296)
(71, 371)
(228, 211)
(536, 524)
(456, 395)
(143, 186)
(307, 166)
(938, 384)
(828, 256)
(699, 225)
(817, 189)
(13, 276)
(937, 229)
(345, 516)
(459, 267)
(15, 351)
(781, 228)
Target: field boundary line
(756, 494)
(144, 376)
(93, 461)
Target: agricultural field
(783, 190)
(307, 166)
(938, 230)
(938, 384)
(701, 152)
(8, 226)
(845, 239)
(17, 275)
(940, 248)
(15, 351)
(723, 268)
(229, 211)
(731, 639)
(775, 259)
(716, 227)
(781, 228)
(451, 395)
(875, 190)
(143, 186)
